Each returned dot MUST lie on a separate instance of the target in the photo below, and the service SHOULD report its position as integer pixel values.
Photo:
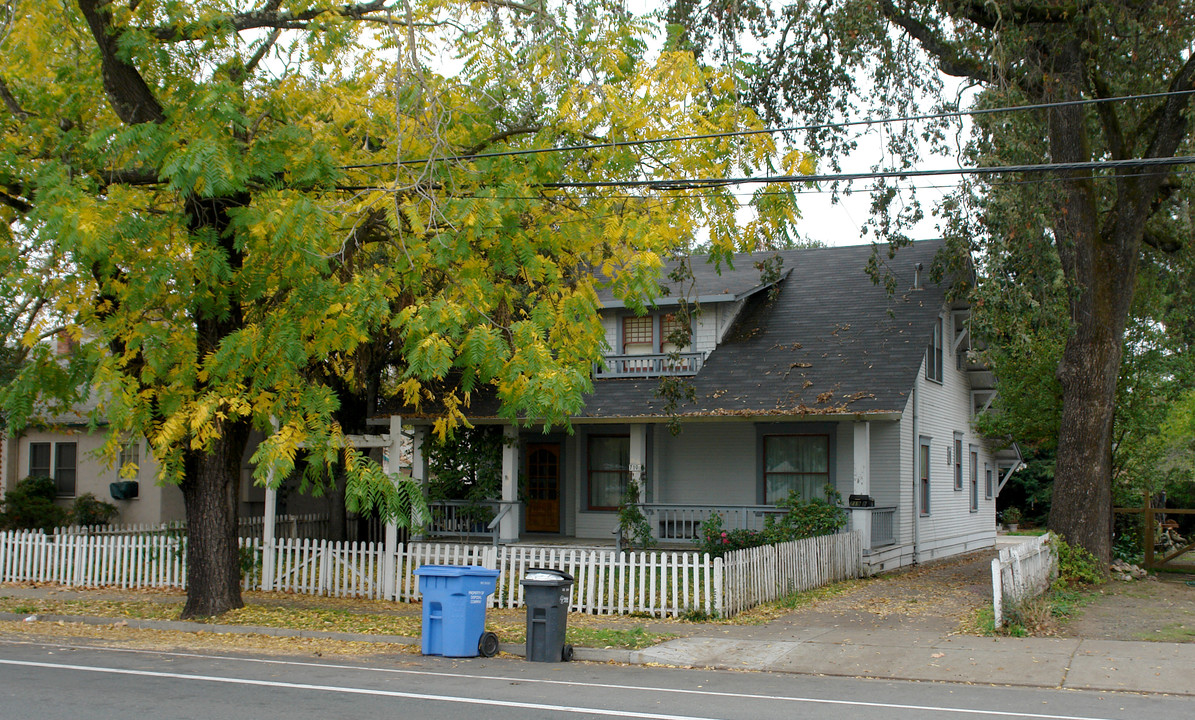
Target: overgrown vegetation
(31, 505)
(633, 528)
(805, 518)
(468, 467)
(1078, 572)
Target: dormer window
(638, 335)
(649, 334)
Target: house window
(129, 467)
(795, 464)
(59, 464)
(39, 459)
(923, 479)
(933, 354)
(958, 461)
(609, 470)
(987, 481)
(974, 455)
(64, 468)
(638, 337)
(669, 324)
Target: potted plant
(1012, 518)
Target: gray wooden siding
(945, 408)
(707, 463)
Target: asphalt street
(89, 682)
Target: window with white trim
(609, 460)
(923, 479)
(58, 461)
(795, 464)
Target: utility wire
(699, 183)
(769, 131)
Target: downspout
(916, 472)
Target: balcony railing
(622, 366)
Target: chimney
(917, 276)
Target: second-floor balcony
(623, 366)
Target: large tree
(233, 204)
(835, 59)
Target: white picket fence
(1022, 572)
(762, 574)
(285, 526)
(656, 583)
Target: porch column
(861, 517)
(419, 473)
(638, 457)
(508, 526)
(269, 517)
(391, 458)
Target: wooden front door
(543, 487)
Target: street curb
(516, 649)
(187, 626)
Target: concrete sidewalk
(1077, 664)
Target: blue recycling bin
(454, 602)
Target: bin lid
(455, 571)
(547, 575)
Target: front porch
(673, 525)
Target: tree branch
(499, 137)
(947, 56)
(10, 101)
(15, 202)
(985, 14)
(130, 95)
(265, 18)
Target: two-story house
(817, 377)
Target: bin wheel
(566, 654)
(487, 646)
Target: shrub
(805, 518)
(634, 529)
(30, 506)
(90, 510)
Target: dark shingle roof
(831, 342)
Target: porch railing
(461, 518)
(683, 522)
(618, 366)
(883, 527)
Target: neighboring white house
(823, 378)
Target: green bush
(30, 506)
(90, 510)
(805, 518)
(1077, 566)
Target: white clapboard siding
(1022, 572)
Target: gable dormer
(638, 345)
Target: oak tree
(836, 60)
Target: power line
(770, 131)
(699, 183)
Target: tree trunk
(1101, 270)
(211, 494)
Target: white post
(418, 468)
(390, 462)
(508, 526)
(861, 517)
(269, 516)
(638, 456)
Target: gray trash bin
(546, 593)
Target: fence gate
(1180, 557)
